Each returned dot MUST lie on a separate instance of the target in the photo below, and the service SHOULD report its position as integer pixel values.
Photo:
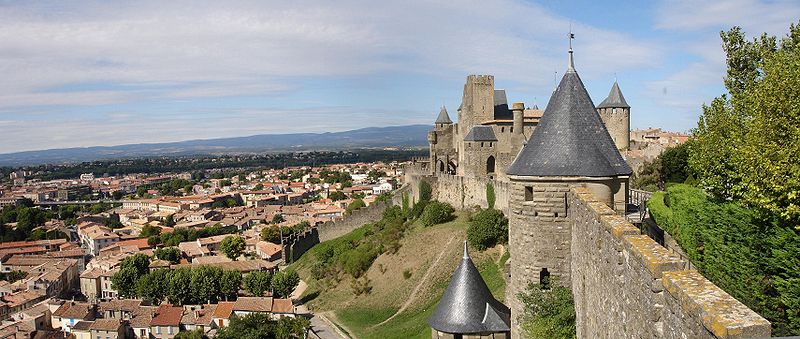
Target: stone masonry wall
(627, 286)
(334, 229)
(468, 192)
(539, 238)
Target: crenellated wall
(628, 286)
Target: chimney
(519, 109)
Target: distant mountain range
(372, 137)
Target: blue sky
(106, 73)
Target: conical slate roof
(468, 306)
(570, 139)
(614, 99)
(443, 118)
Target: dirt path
(413, 295)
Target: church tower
(569, 148)
(616, 115)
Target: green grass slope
(395, 277)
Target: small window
(613, 111)
(544, 278)
(502, 129)
(481, 143)
(528, 193)
(511, 129)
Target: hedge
(751, 256)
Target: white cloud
(101, 53)
(755, 16)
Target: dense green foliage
(195, 334)
(436, 212)
(271, 234)
(337, 195)
(257, 283)
(548, 311)
(261, 326)
(355, 253)
(284, 282)
(671, 166)
(425, 195)
(748, 142)
(181, 234)
(180, 286)
(490, 196)
(233, 246)
(13, 276)
(171, 254)
(752, 258)
(488, 227)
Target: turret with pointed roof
(570, 147)
(443, 118)
(468, 307)
(615, 98)
(571, 139)
(616, 115)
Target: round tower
(570, 147)
(468, 309)
(616, 115)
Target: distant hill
(372, 137)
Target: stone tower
(442, 150)
(468, 309)
(569, 147)
(477, 106)
(616, 115)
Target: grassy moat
(414, 279)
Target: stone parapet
(628, 286)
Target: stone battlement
(628, 286)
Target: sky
(88, 73)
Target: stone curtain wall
(295, 246)
(334, 229)
(467, 192)
(628, 286)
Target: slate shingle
(570, 139)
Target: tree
(746, 144)
(206, 283)
(149, 231)
(257, 282)
(14, 276)
(229, 284)
(193, 334)
(153, 286)
(140, 262)
(233, 246)
(171, 254)
(675, 164)
(169, 221)
(284, 283)
(260, 325)
(548, 311)
(179, 286)
(124, 281)
(271, 234)
(337, 195)
(277, 219)
(258, 187)
(436, 213)
(487, 228)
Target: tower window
(528, 193)
(544, 278)
(613, 111)
(511, 129)
(481, 143)
(502, 129)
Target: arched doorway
(490, 165)
(440, 166)
(451, 168)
